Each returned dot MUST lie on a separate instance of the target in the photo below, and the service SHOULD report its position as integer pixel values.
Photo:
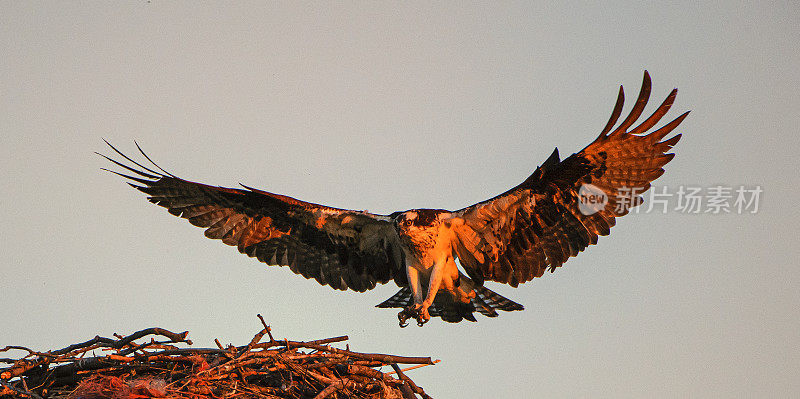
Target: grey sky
(388, 107)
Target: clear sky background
(385, 107)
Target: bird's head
(418, 219)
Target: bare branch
(277, 369)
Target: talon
(404, 315)
(422, 316)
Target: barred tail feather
(399, 300)
(495, 300)
(486, 302)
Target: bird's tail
(486, 302)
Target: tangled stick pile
(134, 367)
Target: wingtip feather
(151, 161)
(638, 106)
(615, 113)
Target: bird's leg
(462, 291)
(433, 287)
(464, 296)
(411, 310)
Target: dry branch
(161, 369)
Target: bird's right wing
(337, 247)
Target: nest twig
(158, 368)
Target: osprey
(510, 238)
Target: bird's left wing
(337, 247)
(541, 223)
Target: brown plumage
(537, 225)
(510, 238)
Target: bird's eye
(407, 222)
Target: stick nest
(154, 363)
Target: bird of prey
(556, 213)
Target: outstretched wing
(340, 248)
(539, 224)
